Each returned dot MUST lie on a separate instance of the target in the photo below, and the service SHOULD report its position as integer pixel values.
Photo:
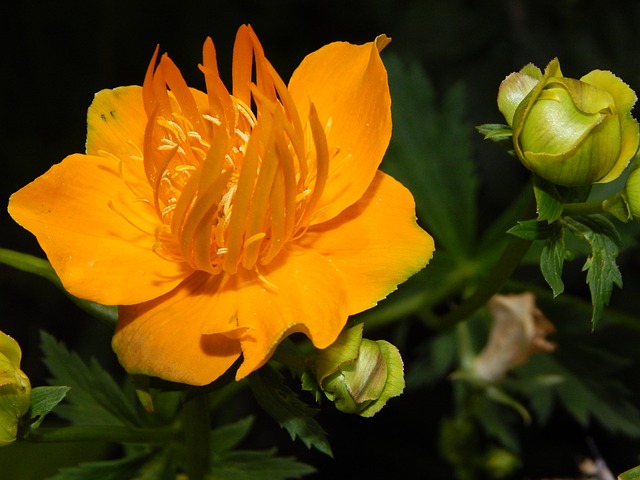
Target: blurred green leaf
(228, 436)
(95, 398)
(38, 266)
(257, 465)
(633, 474)
(120, 469)
(601, 267)
(430, 153)
(287, 409)
(583, 384)
(534, 230)
(498, 133)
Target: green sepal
(287, 409)
(548, 200)
(619, 207)
(601, 267)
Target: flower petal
(97, 234)
(375, 244)
(116, 122)
(348, 86)
(164, 337)
(299, 292)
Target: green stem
(197, 430)
(586, 208)
(511, 257)
(101, 433)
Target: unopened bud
(15, 389)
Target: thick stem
(586, 208)
(511, 257)
(197, 434)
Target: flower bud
(15, 389)
(359, 375)
(570, 132)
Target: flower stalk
(197, 436)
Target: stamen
(124, 217)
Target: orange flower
(221, 223)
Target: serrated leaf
(552, 261)
(43, 400)
(258, 465)
(548, 200)
(287, 409)
(120, 469)
(587, 392)
(498, 133)
(432, 157)
(229, 436)
(95, 398)
(534, 230)
(602, 271)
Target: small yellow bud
(15, 389)
(570, 132)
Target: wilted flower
(570, 132)
(221, 223)
(359, 375)
(15, 389)
(518, 330)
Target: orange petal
(349, 88)
(115, 125)
(164, 337)
(375, 244)
(102, 253)
(298, 292)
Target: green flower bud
(359, 375)
(632, 190)
(15, 389)
(570, 132)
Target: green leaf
(601, 267)
(257, 465)
(534, 230)
(229, 436)
(583, 384)
(95, 398)
(43, 400)
(108, 470)
(633, 474)
(432, 156)
(498, 133)
(287, 409)
(548, 199)
(38, 266)
(552, 260)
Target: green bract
(15, 389)
(359, 375)
(570, 132)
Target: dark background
(57, 54)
